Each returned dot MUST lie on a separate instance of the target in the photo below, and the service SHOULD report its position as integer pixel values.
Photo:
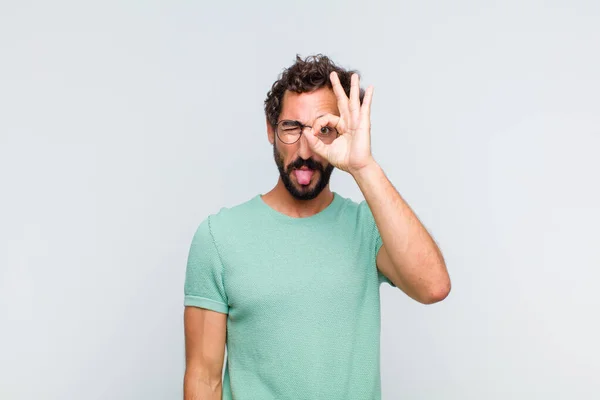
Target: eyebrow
(295, 120)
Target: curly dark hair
(305, 75)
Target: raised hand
(351, 150)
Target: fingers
(316, 145)
(353, 114)
(330, 120)
(354, 105)
(342, 99)
(365, 110)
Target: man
(289, 279)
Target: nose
(304, 150)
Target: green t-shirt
(302, 298)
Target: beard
(302, 192)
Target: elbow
(199, 381)
(440, 288)
(437, 293)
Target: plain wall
(124, 124)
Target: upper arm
(384, 264)
(372, 236)
(386, 268)
(204, 277)
(205, 315)
(205, 336)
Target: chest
(297, 272)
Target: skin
(409, 256)
(205, 337)
(306, 108)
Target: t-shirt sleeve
(204, 285)
(373, 236)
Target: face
(303, 173)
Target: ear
(270, 131)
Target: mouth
(304, 175)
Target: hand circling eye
(348, 145)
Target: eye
(289, 126)
(326, 130)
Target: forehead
(308, 106)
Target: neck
(282, 201)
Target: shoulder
(229, 219)
(357, 209)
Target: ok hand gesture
(351, 150)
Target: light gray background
(123, 124)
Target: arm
(409, 256)
(205, 335)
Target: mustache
(309, 163)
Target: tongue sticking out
(303, 176)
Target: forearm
(196, 386)
(416, 259)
